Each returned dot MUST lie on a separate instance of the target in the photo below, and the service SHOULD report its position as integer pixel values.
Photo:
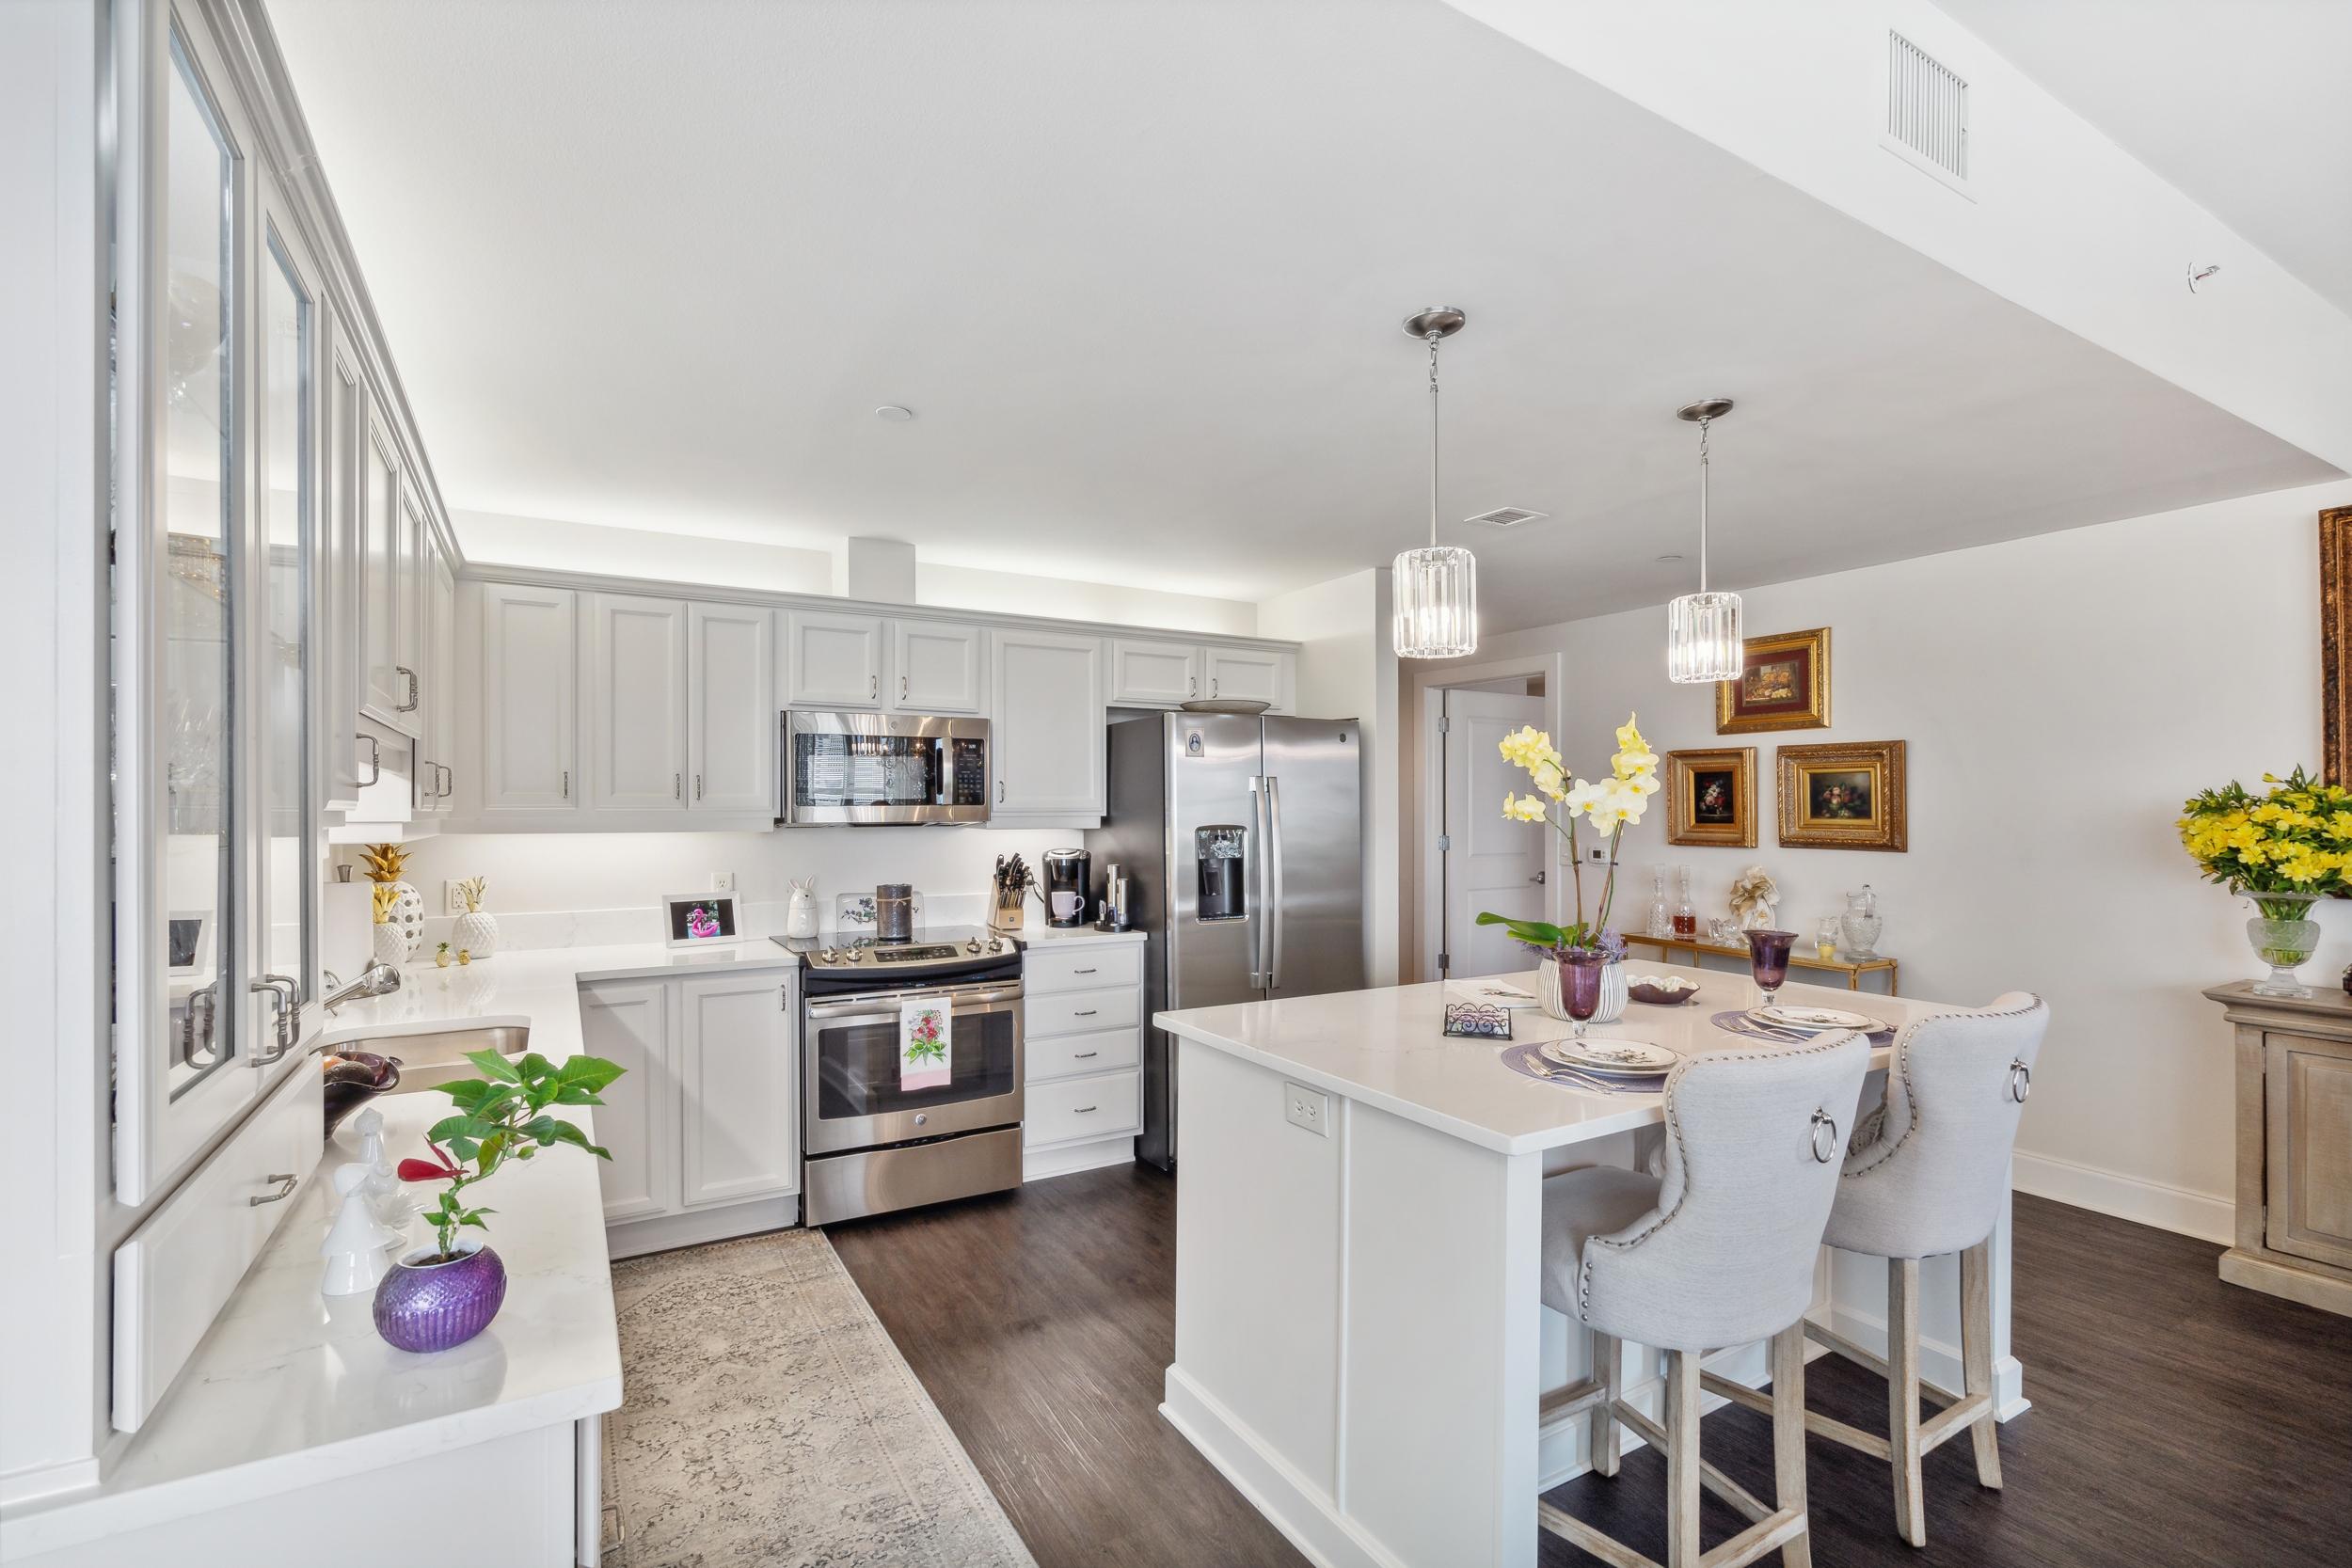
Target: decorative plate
(1637, 1058)
(1814, 1020)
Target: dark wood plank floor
(2176, 1419)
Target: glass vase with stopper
(1661, 920)
(1685, 918)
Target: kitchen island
(1361, 1343)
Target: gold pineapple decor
(383, 864)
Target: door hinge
(783, 999)
(1445, 842)
(1445, 961)
(1445, 723)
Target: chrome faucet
(377, 979)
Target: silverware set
(1556, 1074)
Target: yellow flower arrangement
(1612, 805)
(2295, 840)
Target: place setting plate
(1813, 1021)
(1604, 1053)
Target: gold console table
(1853, 969)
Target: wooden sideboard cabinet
(2294, 1144)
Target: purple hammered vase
(433, 1306)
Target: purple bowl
(433, 1306)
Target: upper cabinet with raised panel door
(1045, 737)
(342, 656)
(832, 660)
(1154, 675)
(437, 788)
(384, 687)
(730, 710)
(1251, 674)
(636, 755)
(529, 682)
(938, 667)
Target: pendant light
(1703, 628)
(1435, 588)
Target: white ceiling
(2242, 107)
(1138, 269)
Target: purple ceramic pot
(430, 1307)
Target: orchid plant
(1611, 805)
(502, 1114)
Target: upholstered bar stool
(1926, 1174)
(1718, 1250)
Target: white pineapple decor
(390, 945)
(384, 862)
(476, 933)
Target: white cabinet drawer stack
(1083, 1049)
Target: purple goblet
(1768, 960)
(1580, 986)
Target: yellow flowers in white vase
(1611, 805)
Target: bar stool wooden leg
(1975, 1357)
(1608, 1362)
(1682, 1458)
(1902, 1396)
(1789, 1439)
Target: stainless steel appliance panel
(1135, 833)
(879, 1180)
(1211, 763)
(850, 1046)
(1313, 784)
(880, 768)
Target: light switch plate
(1307, 1108)
(722, 882)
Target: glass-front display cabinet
(217, 588)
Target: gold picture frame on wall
(1710, 797)
(1844, 796)
(2335, 643)
(1783, 685)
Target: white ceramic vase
(392, 944)
(409, 917)
(476, 933)
(1613, 994)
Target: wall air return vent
(1927, 111)
(1507, 516)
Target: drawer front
(1076, 1108)
(1082, 968)
(1069, 1055)
(1082, 1012)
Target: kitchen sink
(427, 1061)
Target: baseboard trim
(662, 1232)
(1272, 1485)
(1040, 1165)
(2207, 1216)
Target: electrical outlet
(452, 901)
(1307, 1108)
(722, 882)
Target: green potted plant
(441, 1295)
(2281, 850)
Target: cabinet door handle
(1212, 686)
(376, 760)
(449, 783)
(1192, 686)
(903, 689)
(284, 1181)
(677, 787)
(1083, 1110)
(698, 786)
(1082, 972)
(1089, 1013)
(873, 686)
(1000, 792)
(567, 783)
(410, 705)
(1083, 1054)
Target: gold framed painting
(1783, 685)
(1710, 797)
(2335, 643)
(1846, 796)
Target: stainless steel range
(868, 1145)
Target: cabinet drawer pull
(873, 686)
(698, 786)
(1088, 1013)
(1081, 1110)
(375, 761)
(285, 1186)
(1083, 1054)
(567, 783)
(1082, 972)
(677, 787)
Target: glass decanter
(1861, 923)
(1685, 918)
(1661, 920)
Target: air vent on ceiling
(1507, 516)
(1927, 108)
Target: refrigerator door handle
(1274, 862)
(1261, 917)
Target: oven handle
(868, 1004)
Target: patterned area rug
(769, 1420)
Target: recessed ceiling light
(894, 413)
(1669, 556)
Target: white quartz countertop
(291, 1388)
(1043, 935)
(1387, 1048)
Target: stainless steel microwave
(881, 768)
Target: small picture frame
(1477, 1020)
(1710, 797)
(698, 919)
(1848, 795)
(188, 942)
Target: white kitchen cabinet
(437, 789)
(1045, 732)
(628, 1023)
(1148, 673)
(731, 709)
(832, 659)
(529, 756)
(1251, 674)
(342, 658)
(636, 703)
(385, 688)
(937, 667)
(1082, 1070)
(736, 1080)
(408, 589)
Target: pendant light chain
(1704, 427)
(1433, 441)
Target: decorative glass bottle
(1685, 918)
(1661, 920)
(1861, 923)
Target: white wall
(1345, 670)
(2060, 697)
(489, 538)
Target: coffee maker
(1069, 876)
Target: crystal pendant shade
(1436, 603)
(1702, 637)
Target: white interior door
(1488, 862)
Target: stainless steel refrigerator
(1242, 840)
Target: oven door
(882, 768)
(851, 1045)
